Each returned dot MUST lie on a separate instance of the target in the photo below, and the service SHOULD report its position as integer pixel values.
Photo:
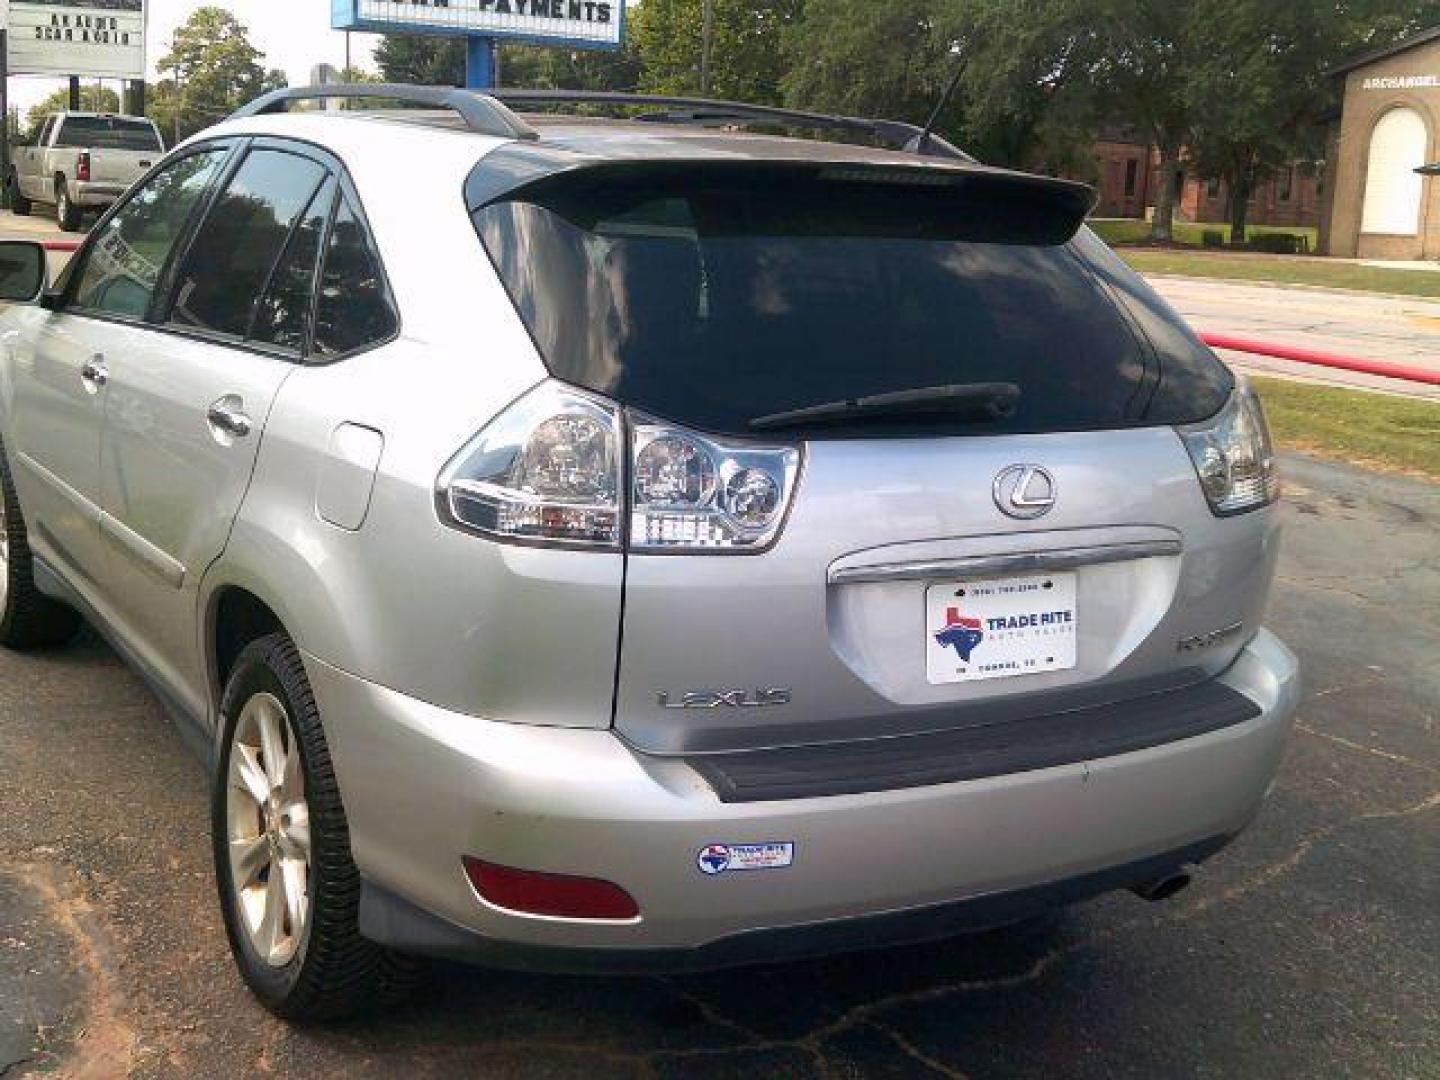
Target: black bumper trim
(395, 922)
(998, 749)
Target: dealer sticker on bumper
(720, 858)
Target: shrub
(1279, 243)
(1212, 238)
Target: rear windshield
(107, 133)
(713, 302)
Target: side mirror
(24, 275)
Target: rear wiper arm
(982, 401)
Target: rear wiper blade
(981, 401)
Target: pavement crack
(1307, 844)
(711, 1013)
(7, 1066)
(1346, 687)
(1321, 586)
(869, 1012)
(866, 1012)
(1361, 748)
(913, 1051)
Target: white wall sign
(586, 24)
(104, 38)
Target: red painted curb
(61, 245)
(1323, 359)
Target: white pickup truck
(82, 161)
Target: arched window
(1392, 187)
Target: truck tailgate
(122, 167)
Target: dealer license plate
(1001, 627)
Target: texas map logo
(961, 631)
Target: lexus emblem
(1024, 491)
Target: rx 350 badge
(718, 858)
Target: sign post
(480, 50)
(572, 24)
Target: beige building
(1376, 205)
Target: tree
(433, 60)
(1026, 96)
(835, 59)
(1258, 95)
(1145, 51)
(92, 99)
(543, 67)
(214, 70)
(424, 59)
(1039, 79)
(748, 59)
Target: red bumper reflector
(560, 895)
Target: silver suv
(642, 543)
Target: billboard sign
(577, 24)
(104, 38)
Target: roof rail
(688, 110)
(480, 112)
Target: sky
(293, 35)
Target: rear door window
(353, 310)
(284, 312)
(229, 263)
(713, 301)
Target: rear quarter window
(715, 301)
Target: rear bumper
(88, 193)
(423, 787)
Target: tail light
(546, 470)
(550, 470)
(1233, 456)
(82, 166)
(690, 492)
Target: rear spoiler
(1052, 210)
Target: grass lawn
(1134, 230)
(1353, 425)
(1285, 270)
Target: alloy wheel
(268, 832)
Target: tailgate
(120, 167)
(995, 516)
(841, 614)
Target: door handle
(94, 374)
(228, 418)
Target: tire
(67, 214)
(293, 924)
(18, 202)
(28, 618)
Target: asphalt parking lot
(1309, 948)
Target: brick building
(1379, 207)
(1291, 197)
(1128, 172)
(1125, 173)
